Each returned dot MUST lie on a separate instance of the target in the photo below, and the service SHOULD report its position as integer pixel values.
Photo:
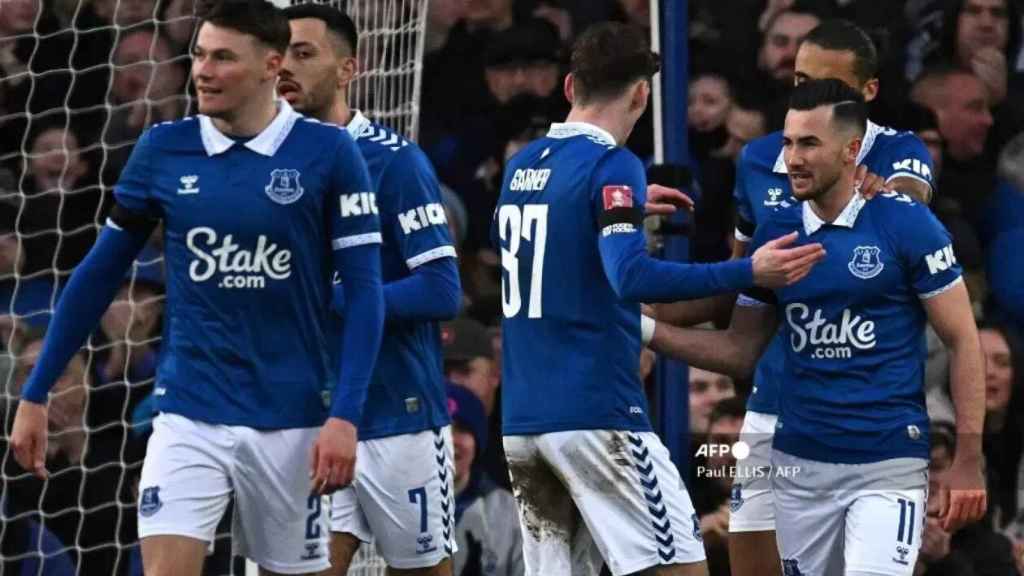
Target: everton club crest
(284, 187)
(866, 262)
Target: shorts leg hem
(281, 568)
(363, 538)
(422, 562)
(655, 560)
(167, 530)
(741, 527)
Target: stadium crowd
(80, 80)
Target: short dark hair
(845, 36)
(733, 407)
(334, 19)
(607, 58)
(257, 18)
(848, 108)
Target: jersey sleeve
(745, 220)
(420, 222)
(133, 190)
(617, 195)
(354, 219)
(908, 158)
(928, 251)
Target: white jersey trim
(431, 255)
(110, 223)
(741, 236)
(265, 143)
(942, 290)
(357, 240)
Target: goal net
(79, 82)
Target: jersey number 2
(515, 224)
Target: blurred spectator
(1004, 419)
(709, 103)
(468, 362)
(635, 12)
(178, 24)
(442, 16)
(711, 498)
(960, 103)
(125, 13)
(86, 501)
(488, 537)
(61, 203)
(706, 390)
(982, 36)
(783, 33)
(923, 122)
(147, 88)
(742, 125)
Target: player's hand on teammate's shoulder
(776, 266)
(28, 438)
(962, 496)
(662, 200)
(333, 457)
(870, 184)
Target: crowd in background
(81, 80)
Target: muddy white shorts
(591, 494)
(192, 468)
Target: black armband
(132, 221)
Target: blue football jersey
(570, 346)
(407, 391)
(762, 184)
(854, 329)
(249, 229)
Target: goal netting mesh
(79, 82)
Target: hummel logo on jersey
(828, 339)
(241, 268)
(530, 179)
(913, 165)
(358, 204)
(774, 197)
(421, 217)
(941, 260)
(187, 183)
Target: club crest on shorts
(617, 197)
(736, 497)
(149, 501)
(865, 263)
(284, 187)
(791, 567)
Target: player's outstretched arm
(733, 351)
(712, 309)
(89, 292)
(962, 487)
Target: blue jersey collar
(570, 129)
(870, 133)
(847, 218)
(357, 125)
(266, 142)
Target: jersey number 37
(516, 224)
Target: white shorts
(402, 497)
(850, 518)
(751, 506)
(614, 489)
(192, 468)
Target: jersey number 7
(515, 224)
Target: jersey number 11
(515, 224)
